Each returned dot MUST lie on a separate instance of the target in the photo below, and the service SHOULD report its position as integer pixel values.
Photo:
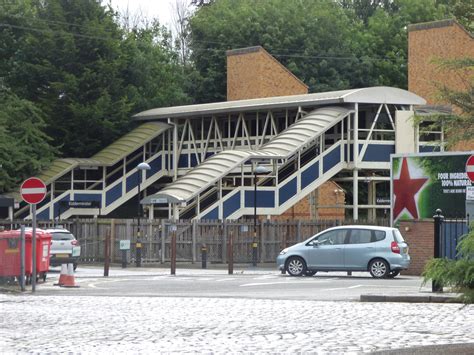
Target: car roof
(361, 226)
(57, 230)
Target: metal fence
(191, 236)
(451, 232)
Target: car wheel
(310, 273)
(296, 266)
(379, 268)
(393, 274)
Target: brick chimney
(253, 73)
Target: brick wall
(420, 237)
(253, 73)
(429, 42)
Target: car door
(326, 251)
(360, 249)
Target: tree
(329, 45)
(457, 274)
(24, 147)
(87, 75)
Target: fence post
(263, 236)
(231, 253)
(112, 240)
(163, 240)
(223, 232)
(107, 253)
(193, 240)
(438, 222)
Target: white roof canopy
(372, 95)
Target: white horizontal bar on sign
(33, 190)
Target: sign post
(33, 191)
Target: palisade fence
(191, 236)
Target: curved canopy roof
(282, 146)
(109, 155)
(375, 95)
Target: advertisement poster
(422, 183)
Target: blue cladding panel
(379, 152)
(63, 208)
(287, 191)
(183, 161)
(309, 175)
(44, 215)
(155, 166)
(132, 181)
(264, 199)
(194, 161)
(331, 159)
(113, 194)
(87, 197)
(214, 214)
(428, 149)
(231, 205)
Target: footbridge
(203, 158)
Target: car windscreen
(398, 236)
(62, 236)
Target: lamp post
(258, 170)
(138, 246)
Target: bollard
(438, 221)
(204, 256)
(138, 252)
(254, 253)
(124, 259)
(107, 254)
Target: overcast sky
(161, 9)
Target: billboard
(424, 182)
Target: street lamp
(138, 247)
(259, 169)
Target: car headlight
(284, 251)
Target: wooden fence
(191, 236)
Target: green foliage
(88, 75)
(24, 148)
(457, 274)
(329, 45)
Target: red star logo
(405, 188)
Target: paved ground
(74, 321)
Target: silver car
(65, 248)
(380, 250)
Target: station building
(272, 145)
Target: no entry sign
(33, 190)
(470, 168)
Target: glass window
(379, 235)
(360, 236)
(332, 237)
(398, 236)
(62, 236)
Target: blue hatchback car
(382, 251)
